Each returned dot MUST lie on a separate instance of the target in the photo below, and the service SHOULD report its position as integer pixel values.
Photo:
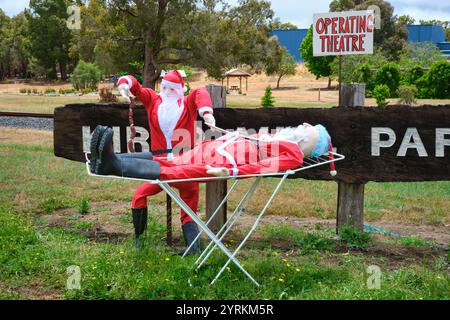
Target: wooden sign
(397, 143)
(343, 33)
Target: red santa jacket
(197, 102)
(239, 155)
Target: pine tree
(268, 101)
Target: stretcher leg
(230, 222)
(214, 214)
(205, 228)
(253, 227)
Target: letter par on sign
(386, 138)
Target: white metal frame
(216, 239)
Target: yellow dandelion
(228, 269)
(167, 259)
(288, 265)
(281, 279)
(297, 269)
(122, 252)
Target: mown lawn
(289, 262)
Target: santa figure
(172, 117)
(231, 155)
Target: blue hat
(323, 143)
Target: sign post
(338, 34)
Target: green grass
(34, 257)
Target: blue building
(292, 39)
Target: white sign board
(343, 33)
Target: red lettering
(333, 27)
(352, 23)
(341, 25)
(354, 43)
(361, 42)
(327, 24)
(362, 24)
(323, 38)
(320, 27)
(370, 23)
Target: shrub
(381, 93)
(23, 90)
(86, 75)
(413, 74)
(87, 90)
(268, 101)
(35, 91)
(354, 237)
(50, 204)
(315, 242)
(84, 206)
(364, 74)
(388, 74)
(438, 79)
(107, 96)
(407, 94)
(28, 91)
(50, 90)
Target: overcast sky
(300, 12)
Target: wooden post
(353, 95)
(216, 191)
(350, 204)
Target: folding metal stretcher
(216, 239)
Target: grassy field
(52, 216)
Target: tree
(278, 25)
(50, 37)
(318, 66)
(422, 54)
(5, 45)
(86, 75)
(287, 66)
(268, 101)
(20, 45)
(406, 19)
(219, 37)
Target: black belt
(160, 152)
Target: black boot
(140, 218)
(108, 163)
(95, 142)
(190, 232)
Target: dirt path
(109, 221)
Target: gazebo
(236, 73)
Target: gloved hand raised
(125, 92)
(210, 121)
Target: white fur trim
(171, 84)
(202, 111)
(234, 172)
(130, 82)
(333, 173)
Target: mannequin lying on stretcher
(230, 155)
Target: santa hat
(323, 146)
(174, 80)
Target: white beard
(294, 134)
(169, 112)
